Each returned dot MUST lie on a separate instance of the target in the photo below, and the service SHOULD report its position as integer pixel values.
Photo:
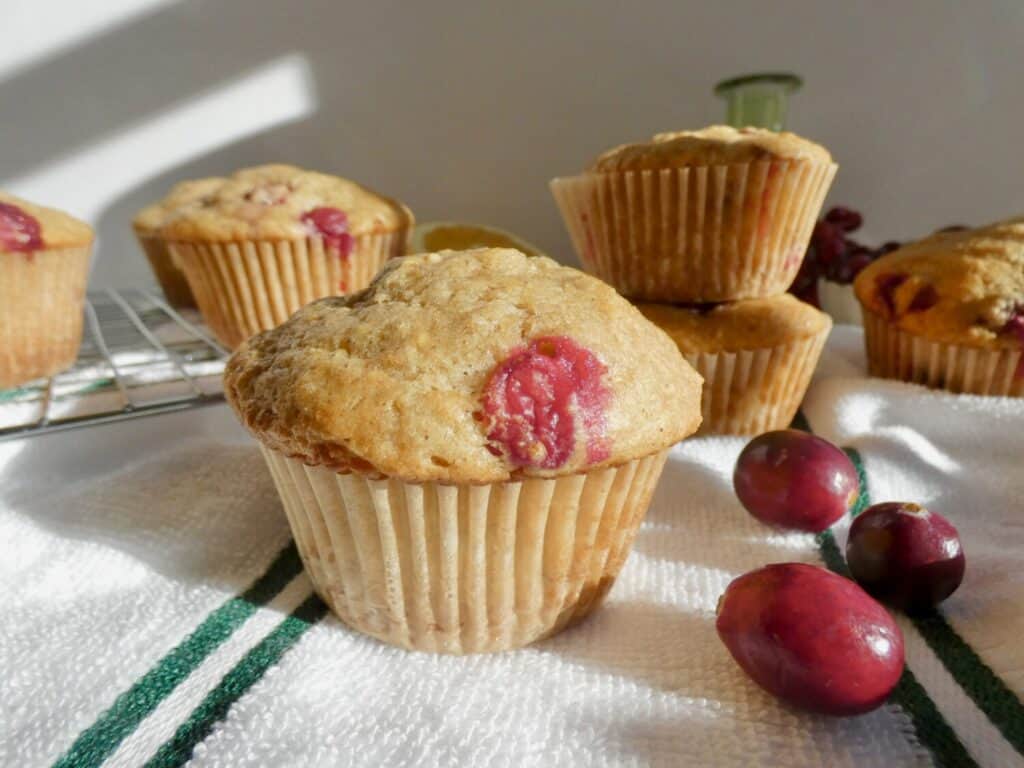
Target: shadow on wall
(398, 106)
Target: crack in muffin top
(471, 366)
(715, 145)
(274, 202)
(958, 287)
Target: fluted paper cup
(246, 287)
(171, 279)
(463, 568)
(698, 234)
(41, 298)
(895, 354)
(754, 391)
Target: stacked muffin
(948, 311)
(706, 230)
(257, 246)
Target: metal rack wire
(139, 356)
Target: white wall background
(465, 109)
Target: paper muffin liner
(463, 568)
(697, 234)
(171, 279)
(754, 391)
(244, 287)
(41, 298)
(896, 354)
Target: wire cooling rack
(139, 356)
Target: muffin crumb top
(26, 227)
(740, 325)
(715, 145)
(959, 287)
(275, 201)
(467, 367)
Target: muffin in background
(147, 224)
(44, 266)
(756, 357)
(948, 311)
(273, 238)
(712, 215)
(465, 450)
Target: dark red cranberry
(332, 225)
(851, 263)
(1015, 324)
(905, 555)
(886, 285)
(812, 638)
(846, 219)
(794, 479)
(19, 231)
(828, 241)
(925, 298)
(534, 397)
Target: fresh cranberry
(534, 397)
(794, 479)
(828, 241)
(811, 638)
(1015, 325)
(851, 263)
(905, 555)
(925, 298)
(332, 225)
(19, 231)
(886, 285)
(846, 219)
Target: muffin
(44, 266)
(273, 238)
(756, 356)
(698, 216)
(147, 224)
(948, 311)
(466, 448)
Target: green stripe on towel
(98, 742)
(999, 703)
(235, 683)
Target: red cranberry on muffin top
(537, 399)
(332, 225)
(19, 231)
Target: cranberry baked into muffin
(698, 216)
(273, 238)
(44, 266)
(148, 223)
(756, 357)
(466, 448)
(948, 311)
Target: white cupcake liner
(754, 391)
(696, 234)
(246, 287)
(41, 298)
(171, 279)
(896, 354)
(463, 568)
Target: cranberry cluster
(834, 255)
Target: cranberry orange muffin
(273, 238)
(948, 311)
(756, 357)
(147, 224)
(466, 448)
(698, 216)
(44, 266)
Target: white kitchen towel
(157, 616)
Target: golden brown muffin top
(26, 227)
(738, 325)
(184, 194)
(281, 202)
(962, 287)
(467, 367)
(716, 145)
